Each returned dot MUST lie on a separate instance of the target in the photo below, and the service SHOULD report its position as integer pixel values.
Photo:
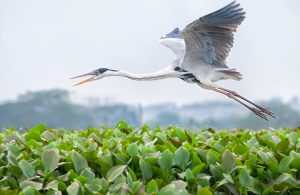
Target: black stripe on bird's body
(188, 77)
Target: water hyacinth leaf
(152, 187)
(82, 179)
(166, 160)
(50, 159)
(285, 178)
(74, 189)
(14, 148)
(228, 178)
(27, 168)
(228, 161)
(79, 161)
(204, 191)
(33, 184)
(52, 185)
(175, 188)
(189, 174)
(296, 163)
(8, 192)
(181, 156)
(35, 133)
(48, 136)
(179, 134)
(29, 191)
(212, 157)
(245, 178)
(272, 170)
(217, 171)
(263, 156)
(95, 186)
(285, 163)
(195, 160)
(146, 169)
(115, 172)
(132, 149)
(132, 174)
(197, 169)
(89, 174)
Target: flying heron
(201, 49)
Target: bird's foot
(259, 113)
(266, 110)
(263, 109)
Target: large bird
(201, 49)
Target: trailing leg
(263, 109)
(256, 111)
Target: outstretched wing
(174, 41)
(209, 39)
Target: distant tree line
(55, 108)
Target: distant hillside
(55, 108)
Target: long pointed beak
(93, 78)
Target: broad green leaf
(189, 174)
(212, 157)
(197, 169)
(8, 192)
(14, 148)
(35, 133)
(50, 159)
(263, 156)
(132, 174)
(146, 169)
(166, 160)
(115, 172)
(132, 149)
(245, 178)
(181, 156)
(175, 188)
(74, 188)
(48, 136)
(217, 171)
(52, 185)
(82, 179)
(285, 178)
(268, 139)
(228, 161)
(89, 174)
(29, 191)
(95, 186)
(179, 134)
(196, 160)
(27, 168)
(152, 187)
(228, 178)
(285, 163)
(33, 184)
(79, 161)
(204, 191)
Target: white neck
(162, 74)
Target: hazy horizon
(44, 43)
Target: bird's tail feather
(232, 73)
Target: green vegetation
(128, 161)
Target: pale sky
(44, 43)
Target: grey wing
(209, 39)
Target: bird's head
(171, 38)
(95, 75)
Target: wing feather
(209, 39)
